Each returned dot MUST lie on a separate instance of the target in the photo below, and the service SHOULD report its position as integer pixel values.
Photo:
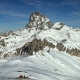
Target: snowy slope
(12, 42)
(39, 27)
(54, 65)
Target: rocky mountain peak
(39, 34)
(40, 21)
(58, 25)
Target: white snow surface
(42, 65)
(21, 37)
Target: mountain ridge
(39, 33)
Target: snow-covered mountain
(42, 50)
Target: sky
(15, 14)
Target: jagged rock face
(58, 25)
(61, 26)
(60, 46)
(39, 21)
(34, 46)
(37, 45)
(2, 42)
(73, 52)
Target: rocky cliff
(37, 45)
(40, 21)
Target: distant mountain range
(50, 51)
(0, 32)
(39, 33)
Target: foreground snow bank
(43, 65)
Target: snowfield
(43, 65)
(12, 42)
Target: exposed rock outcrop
(37, 45)
(60, 46)
(40, 21)
(58, 26)
(34, 46)
(73, 52)
(2, 42)
(61, 26)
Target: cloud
(73, 23)
(2, 5)
(15, 14)
(36, 3)
(73, 3)
(40, 4)
(75, 15)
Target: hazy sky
(14, 14)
